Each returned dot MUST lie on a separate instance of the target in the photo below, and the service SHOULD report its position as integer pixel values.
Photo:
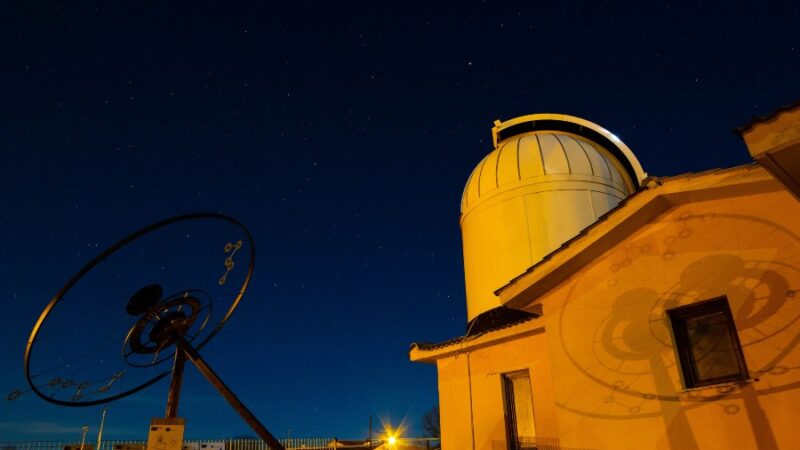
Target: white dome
(542, 155)
(548, 177)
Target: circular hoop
(121, 244)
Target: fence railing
(313, 443)
(193, 444)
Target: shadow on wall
(624, 347)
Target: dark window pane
(713, 351)
(707, 343)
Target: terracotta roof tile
(493, 320)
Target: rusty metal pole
(232, 399)
(84, 428)
(100, 431)
(175, 383)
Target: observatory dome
(548, 177)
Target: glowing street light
(392, 435)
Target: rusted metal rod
(175, 383)
(232, 399)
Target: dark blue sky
(342, 135)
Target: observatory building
(607, 309)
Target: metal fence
(318, 443)
(192, 444)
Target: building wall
(616, 381)
(477, 412)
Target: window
(707, 344)
(518, 404)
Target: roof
(490, 321)
(430, 353)
(767, 117)
(497, 319)
(437, 345)
(774, 141)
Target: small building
(608, 309)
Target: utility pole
(100, 432)
(370, 432)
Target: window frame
(679, 318)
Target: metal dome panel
(507, 167)
(576, 155)
(555, 160)
(529, 158)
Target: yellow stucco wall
(616, 381)
(484, 367)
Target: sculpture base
(166, 433)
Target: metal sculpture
(159, 294)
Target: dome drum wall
(534, 192)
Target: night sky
(342, 136)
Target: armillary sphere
(159, 294)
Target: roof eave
(774, 141)
(522, 329)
